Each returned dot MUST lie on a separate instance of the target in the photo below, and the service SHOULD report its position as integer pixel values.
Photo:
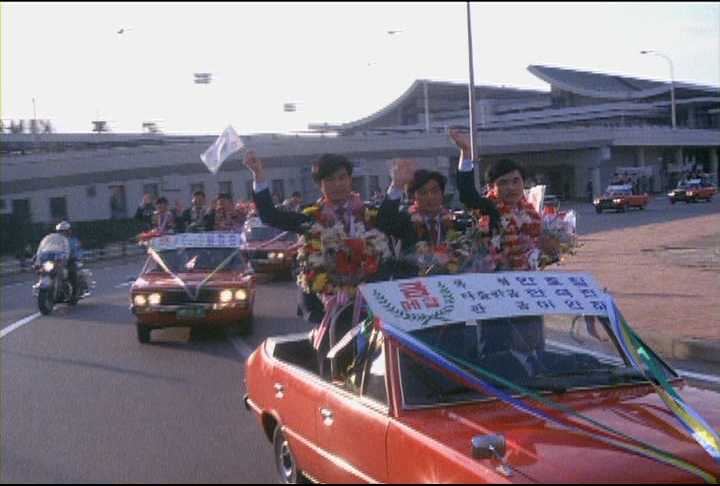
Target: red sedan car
(194, 280)
(270, 250)
(509, 377)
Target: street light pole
(672, 82)
(473, 135)
(474, 153)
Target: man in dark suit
(197, 217)
(427, 220)
(514, 349)
(333, 174)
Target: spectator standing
(145, 210)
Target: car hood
(166, 281)
(540, 449)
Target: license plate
(190, 312)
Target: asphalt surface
(665, 279)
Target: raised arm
(469, 194)
(390, 220)
(285, 220)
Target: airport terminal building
(587, 127)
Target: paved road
(664, 275)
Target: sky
(337, 62)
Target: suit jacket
(271, 216)
(397, 224)
(185, 219)
(472, 199)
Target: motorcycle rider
(64, 228)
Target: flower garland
(334, 259)
(419, 221)
(520, 227)
(475, 250)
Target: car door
(353, 421)
(298, 393)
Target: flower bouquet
(475, 250)
(561, 229)
(145, 237)
(331, 261)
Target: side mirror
(487, 446)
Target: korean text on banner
(226, 144)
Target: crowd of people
(222, 214)
(346, 241)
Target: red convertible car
(194, 280)
(509, 377)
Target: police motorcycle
(51, 266)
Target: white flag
(226, 144)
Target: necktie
(434, 231)
(342, 217)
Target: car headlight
(617, 201)
(48, 266)
(228, 295)
(141, 300)
(276, 255)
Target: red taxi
(421, 381)
(620, 197)
(270, 250)
(692, 190)
(194, 280)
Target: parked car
(692, 190)
(270, 250)
(416, 382)
(620, 197)
(194, 280)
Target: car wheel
(285, 460)
(143, 334)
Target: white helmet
(63, 226)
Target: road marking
(19, 323)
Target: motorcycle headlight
(48, 266)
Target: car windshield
(262, 233)
(180, 260)
(571, 352)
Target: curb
(682, 347)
